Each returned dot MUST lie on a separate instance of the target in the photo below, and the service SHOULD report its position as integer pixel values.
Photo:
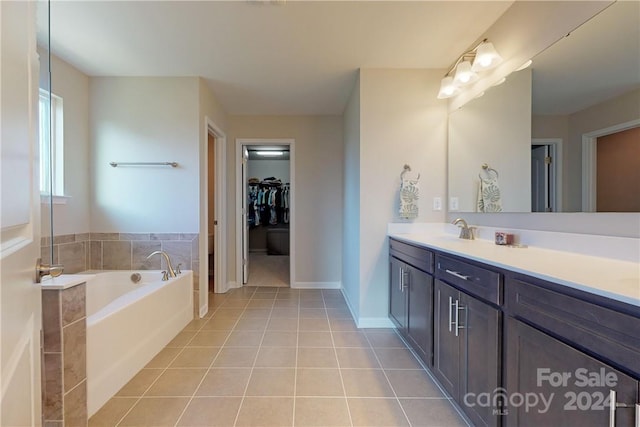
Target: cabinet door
(574, 385)
(420, 317)
(446, 344)
(397, 294)
(479, 359)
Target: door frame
(220, 208)
(590, 161)
(555, 146)
(240, 143)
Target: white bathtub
(128, 324)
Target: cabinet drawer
(418, 257)
(608, 334)
(471, 278)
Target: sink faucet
(466, 232)
(170, 269)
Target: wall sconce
(482, 57)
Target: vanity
(521, 337)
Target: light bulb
(464, 74)
(447, 88)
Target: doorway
(265, 230)
(546, 164)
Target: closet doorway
(265, 180)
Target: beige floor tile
(314, 325)
(244, 339)
(412, 383)
(285, 303)
(249, 324)
(195, 357)
(282, 324)
(313, 313)
(311, 293)
(397, 358)
(376, 412)
(271, 382)
(235, 303)
(279, 339)
(228, 313)
(350, 339)
(385, 339)
(139, 383)
(195, 324)
(177, 382)
(338, 324)
(181, 339)
(266, 412)
(261, 303)
(335, 303)
(312, 382)
(322, 412)
(209, 338)
(164, 357)
(224, 382)
(286, 312)
(339, 313)
(311, 303)
(211, 412)
(112, 412)
(431, 413)
(276, 357)
(220, 324)
(158, 411)
(317, 358)
(357, 358)
(236, 357)
(256, 313)
(314, 339)
(366, 383)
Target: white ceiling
(294, 57)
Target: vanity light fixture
(482, 57)
(525, 65)
(269, 153)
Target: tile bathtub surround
(121, 251)
(64, 352)
(280, 356)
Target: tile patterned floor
(268, 270)
(280, 357)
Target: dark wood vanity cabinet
(575, 356)
(411, 296)
(514, 350)
(467, 334)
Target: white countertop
(611, 278)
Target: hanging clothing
(489, 198)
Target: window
(51, 144)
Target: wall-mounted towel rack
(116, 164)
(489, 169)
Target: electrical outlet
(437, 204)
(453, 204)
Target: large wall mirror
(561, 136)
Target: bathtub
(128, 324)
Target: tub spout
(170, 269)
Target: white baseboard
(317, 285)
(204, 310)
(375, 322)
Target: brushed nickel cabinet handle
(458, 275)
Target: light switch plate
(453, 204)
(437, 203)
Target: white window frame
(51, 163)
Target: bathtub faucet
(170, 269)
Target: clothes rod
(116, 164)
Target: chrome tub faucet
(170, 270)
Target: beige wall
(317, 206)
(73, 86)
(401, 122)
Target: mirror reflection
(583, 145)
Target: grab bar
(116, 164)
